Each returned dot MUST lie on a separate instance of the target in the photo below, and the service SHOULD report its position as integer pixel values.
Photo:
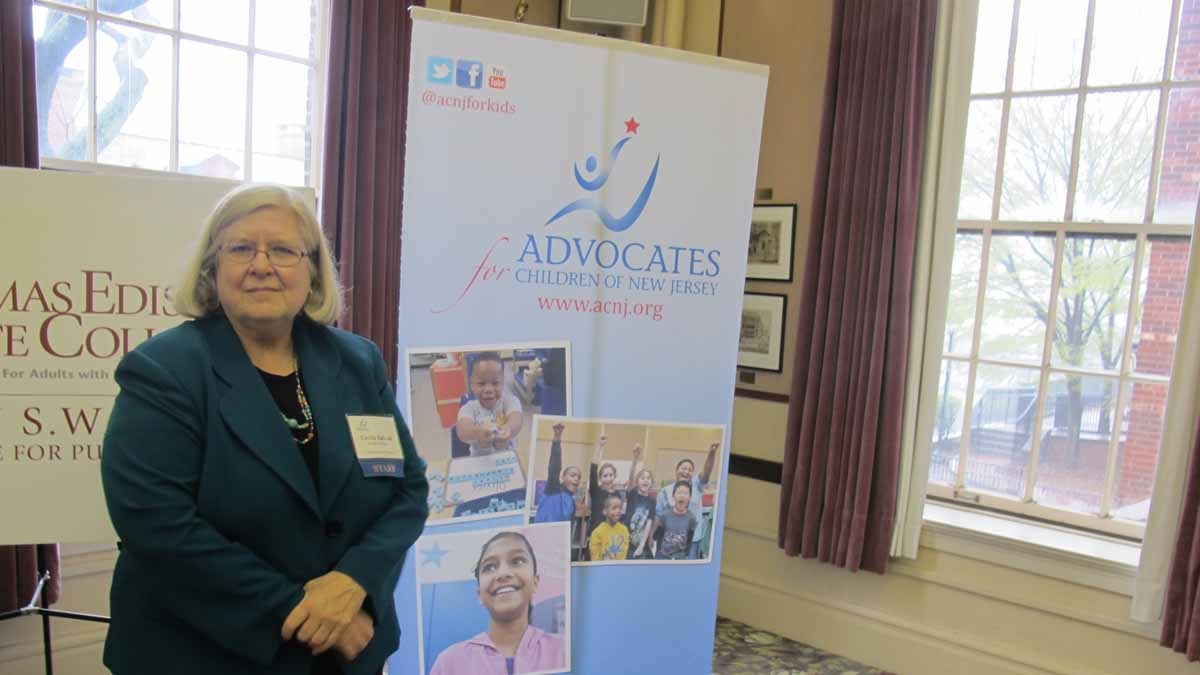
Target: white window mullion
(249, 150)
(964, 439)
(1080, 100)
(1172, 40)
(93, 89)
(316, 155)
(1098, 227)
(1164, 100)
(175, 40)
(1114, 445)
(973, 369)
(1035, 439)
(997, 189)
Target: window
(1076, 202)
(228, 89)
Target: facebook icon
(469, 74)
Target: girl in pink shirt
(506, 573)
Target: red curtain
(1181, 615)
(19, 565)
(842, 452)
(363, 183)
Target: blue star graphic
(434, 555)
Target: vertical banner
(86, 271)
(590, 196)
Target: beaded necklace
(307, 426)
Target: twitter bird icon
(440, 70)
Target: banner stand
(38, 605)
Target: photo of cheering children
(470, 410)
(519, 577)
(631, 508)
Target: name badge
(377, 444)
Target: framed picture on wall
(772, 237)
(760, 344)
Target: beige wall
(941, 613)
(793, 39)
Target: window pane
(964, 292)
(1017, 297)
(1076, 431)
(1187, 51)
(1137, 459)
(1049, 44)
(1093, 302)
(284, 26)
(992, 33)
(979, 161)
(280, 135)
(156, 12)
(1129, 41)
(947, 427)
(133, 106)
(62, 88)
(1037, 162)
(1001, 428)
(1179, 179)
(1164, 276)
(1114, 156)
(228, 20)
(212, 110)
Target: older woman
(263, 508)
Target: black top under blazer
(220, 521)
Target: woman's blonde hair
(196, 294)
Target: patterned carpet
(739, 649)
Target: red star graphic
(631, 126)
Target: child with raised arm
(685, 471)
(610, 539)
(639, 505)
(490, 421)
(601, 477)
(676, 526)
(558, 500)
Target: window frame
(947, 226)
(92, 15)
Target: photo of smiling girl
(506, 578)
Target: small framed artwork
(772, 238)
(760, 344)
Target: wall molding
(755, 468)
(87, 564)
(976, 586)
(757, 395)
(31, 649)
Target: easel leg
(46, 646)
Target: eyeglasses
(279, 255)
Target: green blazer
(220, 522)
